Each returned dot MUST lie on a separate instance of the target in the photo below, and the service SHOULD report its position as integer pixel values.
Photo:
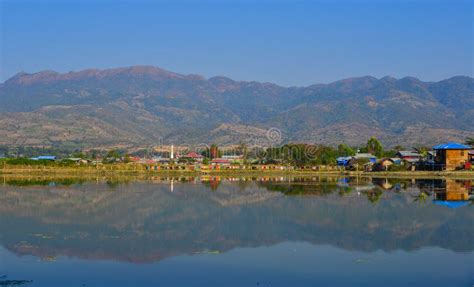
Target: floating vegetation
(43, 236)
(212, 252)
(15, 282)
(110, 237)
(44, 182)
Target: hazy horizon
(212, 76)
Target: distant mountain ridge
(143, 105)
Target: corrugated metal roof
(47, 157)
(193, 155)
(408, 153)
(364, 155)
(452, 145)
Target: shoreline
(78, 172)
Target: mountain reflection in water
(150, 220)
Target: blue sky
(285, 42)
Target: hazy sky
(285, 42)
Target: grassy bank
(136, 170)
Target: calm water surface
(236, 232)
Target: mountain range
(145, 105)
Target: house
(343, 160)
(409, 156)
(220, 162)
(194, 156)
(134, 158)
(385, 163)
(370, 157)
(470, 160)
(353, 161)
(452, 155)
(79, 160)
(45, 157)
(427, 162)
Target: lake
(218, 231)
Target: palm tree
(398, 148)
(242, 148)
(422, 196)
(374, 195)
(470, 141)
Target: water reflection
(162, 217)
(440, 191)
(152, 219)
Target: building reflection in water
(454, 194)
(153, 219)
(440, 191)
(446, 192)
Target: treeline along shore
(446, 159)
(143, 170)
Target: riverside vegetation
(288, 158)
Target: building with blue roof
(45, 157)
(451, 145)
(452, 155)
(343, 160)
(452, 204)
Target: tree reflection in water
(143, 221)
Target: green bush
(31, 162)
(27, 161)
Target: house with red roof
(194, 156)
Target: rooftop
(451, 145)
(44, 157)
(364, 155)
(404, 153)
(193, 155)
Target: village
(449, 156)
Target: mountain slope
(143, 105)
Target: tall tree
(113, 154)
(398, 148)
(242, 149)
(470, 141)
(214, 151)
(375, 147)
(422, 150)
(344, 150)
